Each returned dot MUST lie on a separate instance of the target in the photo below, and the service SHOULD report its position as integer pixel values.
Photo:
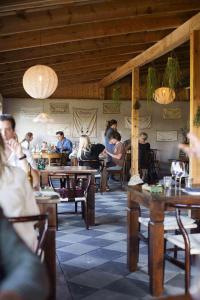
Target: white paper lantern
(40, 81)
(164, 95)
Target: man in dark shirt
(22, 276)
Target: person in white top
(13, 149)
(16, 154)
(26, 141)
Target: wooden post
(194, 96)
(135, 121)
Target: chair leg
(76, 207)
(187, 272)
(83, 209)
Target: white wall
(25, 123)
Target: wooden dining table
(49, 156)
(81, 170)
(157, 204)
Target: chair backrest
(69, 185)
(93, 163)
(41, 225)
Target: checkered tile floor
(91, 264)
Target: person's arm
(24, 275)
(118, 154)
(67, 146)
(16, 147)
(194, 148)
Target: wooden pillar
(135, 121)
(194, 96)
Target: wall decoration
(29, 113)
(144, 122)
(171, 113)
(84, 122)
(59, 108)
(111, 108)
(166, 136)
(53, 128)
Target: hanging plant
(116, 92)
(197, 118)
(152, 83)
(172, 74)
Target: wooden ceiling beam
(10, 6)
(57, 60)
(91, 30)
(170, 42)
(24, 21)
(129, 39)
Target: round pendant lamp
(42, 118)
(40, 81)
(164, 95)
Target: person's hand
(14, 146)
(194, 148)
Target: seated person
(63, 145)
(17, 198)
(22, 277)
(44, 146)
(88, 151)
(118, 154)
(144, 155)
(27, 140)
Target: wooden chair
(120, 172)
(41, 225)
(72, 188)
(190, 243)
(97, 164)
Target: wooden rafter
(90, 31)
(24, 21)
(171, 41)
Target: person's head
(114, 138)
(143, 137)
(111, 124)
(7, 126)
(29, 136)
(84, 142)
(2, 149)
(60, 135)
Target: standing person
(17, 198)
(110, 128)
(63, 144)
(144, 155)
(89, 151)
(26, 141)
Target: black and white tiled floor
(91, 264)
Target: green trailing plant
(172, 74)
(116, 92)
(152, 83)
(197, 118)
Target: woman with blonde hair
(17, 198)
(90, 152)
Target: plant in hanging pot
(152, 83)
(171, 79)
(116, 92)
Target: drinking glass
(188, 182)
(178, 171)
(167, 180)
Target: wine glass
(178, 171)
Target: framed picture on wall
(111, 108)
(171, 113)
(59, 108)
(166, 136)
